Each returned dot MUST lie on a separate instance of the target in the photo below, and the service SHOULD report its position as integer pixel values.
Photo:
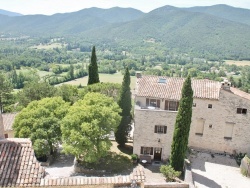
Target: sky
(49, 7)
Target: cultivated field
(47, 46)
(238, 63)
(113, 78)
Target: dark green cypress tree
(182, 127)
(124, 102)
(93, 69)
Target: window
(241, 111)
(194, 104)
(153, 102)
(147, 150)
(228, 132)
(171, 105)
(199, 127)
(161, 129)
(210, 106)
(6, 136)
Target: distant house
(220, 120)
(8, 120)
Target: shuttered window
(171, 105)
(199, 127)
(147, 150)
(161, 129)
(153, 102)
(228, 132)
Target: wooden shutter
(155, 128)
(151, 151)
(166, 105)
(141, 150)
(147, 102)
(228, 133)
(165, 129)
(158, 103)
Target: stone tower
(1, 126)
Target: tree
(86, 127)
(71, 72)
(125, 104)
(40, 121)
(182, 127)
(5, 90)
(93, 69)
(69, 93)
(169, 173)
(35, 91)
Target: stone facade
(216, 124)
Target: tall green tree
(182, 127)
(40, 121)
(93, 69)
(125, 104)
(87, 125)
(5, 90)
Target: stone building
(220, 120)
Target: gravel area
(216, 171)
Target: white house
(220, 120)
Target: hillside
(9, 13)
(67, 23)
(186, 31)
(224, 11)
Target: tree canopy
(86, 127)
(40, 121)
(182, 127)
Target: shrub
(134, 157)
(169, 173)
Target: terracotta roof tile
(148, 86)
(8, 120)
(18, 164)
(240, 93)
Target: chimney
(226, 85)
(138, 75)
(1, 126)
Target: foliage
(35, 91)
(69, 93)
(40, 121)
(125, 104)
(182, 127)
(93, 69)
(239, 156)
(86, 127)
(134, 156)
(108, 89)
(5, 90)
(169, 172)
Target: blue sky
(49, 7)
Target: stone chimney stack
(138, 75)
(1, 126)
(226, 85)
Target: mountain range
(220, 30)
(9, 13)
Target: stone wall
(223, 111)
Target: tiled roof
(8, 120)
(148, 86)
(240, 93)
(18, 164)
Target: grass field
(46, 47)
(238, 63)
(113, 78)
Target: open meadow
(238, 63)
(113, 78)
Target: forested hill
(198, 33)
(224, 11)
(67, 23)
(202, 31)
(9, 13)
